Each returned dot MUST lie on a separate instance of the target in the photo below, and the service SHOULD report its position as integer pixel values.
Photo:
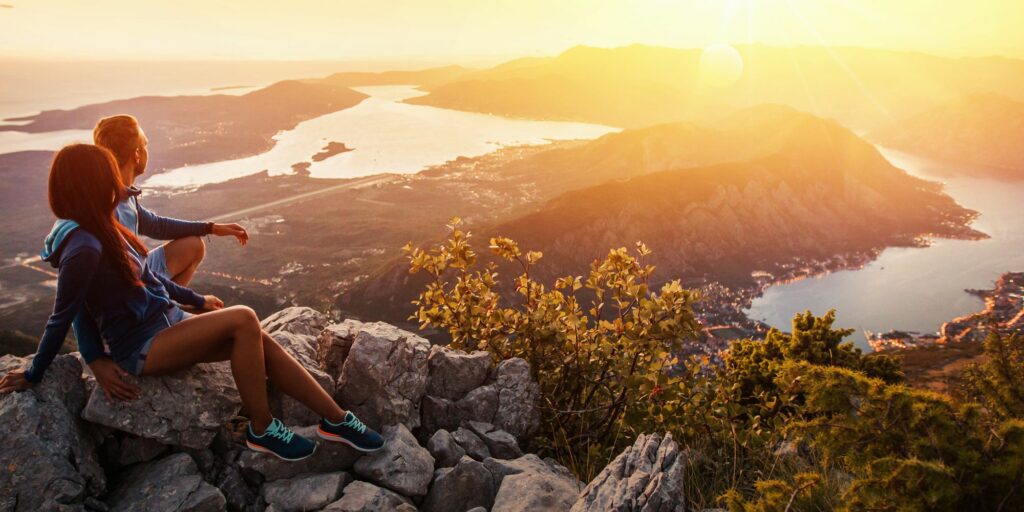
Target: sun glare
(720, 65)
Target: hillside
(768, 187)
(980, 129)
(636, 86)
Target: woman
(102, 271)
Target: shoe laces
(280, 431)
(354, 423)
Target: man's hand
(234, 230)
(212, 303)
(111, 379)
(14, 381)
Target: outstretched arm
(166, 228)
(181, 294)
(90, 343)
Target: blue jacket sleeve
(166, 228)
(181, 294)
(74, 275)
(90, 342)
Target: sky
(463, 30)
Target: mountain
(636, 86)
(984, 130)
(787, 188)
(424, 77)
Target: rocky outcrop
(171, 484)
(384, 375)
(185, 408)
(47, 460)
(181, 445)
(647, 477)
(402, 465)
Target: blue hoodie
(146, 223)
(124, 314)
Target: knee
(196, 248)
(244, 318)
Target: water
(386, 136)
(915, 289)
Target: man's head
(122, 135)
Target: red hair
(85, 186)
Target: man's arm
(166, 228)
(90, 343)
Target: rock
(303, 349)
(185, 408)
(453, 373)
(501, 444)
(123, 450)
(465, 486)
(328, 457)
(366, 497)
(166, 485)
(509, 402)
(296, 320)
(531, 484)
(47, 460)
(444, 449)
(477, 509)
(647, 477)
(309, 492)
(384, 376)
(236, 490)
(471, 443)
(518, 398)
(333, 345)
(402, 465)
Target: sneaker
(280, 441)
(351, 432)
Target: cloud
(6, 6)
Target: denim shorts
(135, 362)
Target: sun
(720, 65)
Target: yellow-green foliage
(998, 384)
(599, 345)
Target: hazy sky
(459, 29)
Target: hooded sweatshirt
(88, 282)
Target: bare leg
(292, 378)
(183, 258)
(228, 334)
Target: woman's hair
(85, 187)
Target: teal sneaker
(351, 432)
(280, 441)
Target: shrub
(998, 384)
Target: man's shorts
(157, 262)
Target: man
(178, 259)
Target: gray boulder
(122, 450)
(366, 497)
(402, 465)
(501, 444)
(237, 492)
(509, 401)
(308, 492)
(328, 457)
(185, 408)
(453, 373)
(333, 345)
(531, 484)
(471, 443)
(170, 484)
(465, 486)
(296, 320)
(444, 449)
(647, 477)
(384, 376)
(47, 458)
(303, 348)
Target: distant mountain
(197, 129)
(636, 86)
(788, 186)
(424, 77)
(986, 130)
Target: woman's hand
(234, 230)
(14, 381)
(212, 303)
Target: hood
(51, 246)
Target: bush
(600, 346)
(998, 384)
